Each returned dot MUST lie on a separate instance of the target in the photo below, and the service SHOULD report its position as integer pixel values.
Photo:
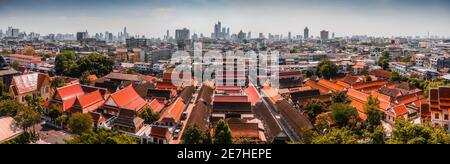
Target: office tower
(1, 34)
(82, 35)
(332, 36)
(249, 35)
(290, 36)
(182, 34)
(306, 33)
(261, 36)
(324, 35)
(241, 35)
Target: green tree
(132, 71)
(377, 136)
(404, 132)
(84, 79)
(384, 60)
(102, 136)
(26, 117)
(327, 69)
(9, 108)
(80, 123)
(336, 136)
(374, 115)
(222, 133)
(96, 64)
(395, 77)
(431, 85)
(339, 97)
(192, 135)
(58, 82)
(149, 115)
(313, 108)
(343, 115)
(66, 64)
(322, 123)
(54, 112)
(4, 95)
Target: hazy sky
(153, 17)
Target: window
(436, 116)
(446, 127)
(445, 116)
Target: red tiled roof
(400, 110)
(174, 111)
(230, 99)
(156, 105)
(165, 85)
(312, 84)
(253, 94)
(370, 84)
(128, 98)
(290, 74)
(330, 85)
(160, 132)
(90, 98)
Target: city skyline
(153, 18)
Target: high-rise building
(261, 36)
(82, 35)
(241, 36)
(306, 33)
(332, 35)
(1, 34)
(324, 35)
(290, 36)
(249, 35)
(220, 32)
(182, 34)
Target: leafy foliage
(80, 123)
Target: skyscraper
(82, 35)
(324, 35)
(182, 34)
(290, 36)
(306, 33)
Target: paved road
(289, 132)
(50, 135)
(189, 111)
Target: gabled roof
(253, 94)
(156, 105)
(330, 85)
(28, 83)
(127, 98)
(323, 90)
(174, 111)
(400, 110)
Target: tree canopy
(222, 133)
(327, 69)
(80, 123)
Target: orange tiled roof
(253, 94)
(330, 85)
(156, 105)
(370, 84)
(174, 111)
(128, 98)
(314, 85)
(400, 110)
